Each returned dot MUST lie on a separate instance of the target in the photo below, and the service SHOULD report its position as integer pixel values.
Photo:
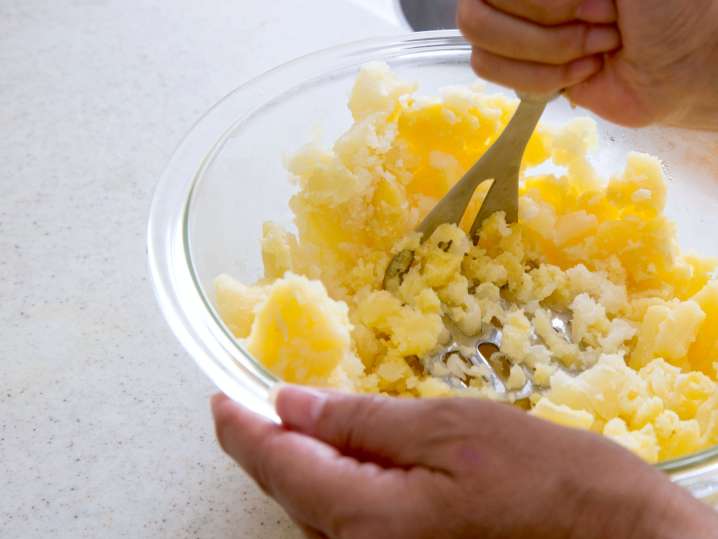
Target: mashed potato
(641, 362)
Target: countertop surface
(105, 428)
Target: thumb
(606, 94)
(398, 432)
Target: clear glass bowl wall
(228, 177)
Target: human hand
(354, 467)
(634, 62)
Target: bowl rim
(177, 286)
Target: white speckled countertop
(104, 421)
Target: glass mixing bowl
(227, 178)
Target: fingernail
(602, 39)
(300, 407)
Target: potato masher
(500, 163)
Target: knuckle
(329, 420)
(364, 412)
(566, 77)
(372, 406)
(450, 416)
(456, 420)
(348, 417)
(553, 11)
(577, 40)
(462, 15)
(564, 39)
(568, 43)
(480, 64)
(583, 32)
(543, 10)
(471, 17)
(325, 418)
(265, 468)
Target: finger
(511, 37)
(310, 533)
(311, 480)
(552, 12)
(392, 432)
(533, 77)
(598, 11)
